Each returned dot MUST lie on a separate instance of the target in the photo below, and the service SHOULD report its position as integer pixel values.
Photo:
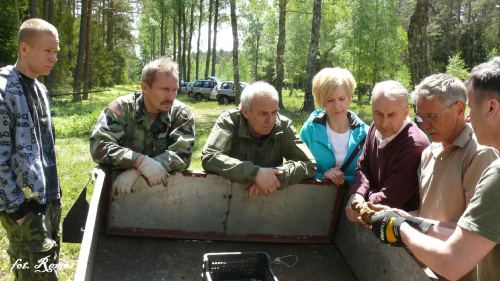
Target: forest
(284, 42)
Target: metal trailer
(162, 233)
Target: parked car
(187, 88)
(183, 85)
(202, 89)
(224, 93)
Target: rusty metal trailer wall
(204, 206)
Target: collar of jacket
(140, 110)
(140, 114)
(322, 117)
(245, 133)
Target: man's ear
(407, 111)
(23, 48)
(144, 86)
(461, 108)
(493, 108)
(244, 111)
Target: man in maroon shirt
(387, 167)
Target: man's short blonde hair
(328, 80)
(164, 65)
(31, 29)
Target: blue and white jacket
(314, 134)
(22, 177)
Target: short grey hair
(259, 88)
(159, 65)
(441, 86)
(391, 89)
(484, 81)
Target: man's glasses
(429, 119)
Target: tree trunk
(184, 42)
(86, 84)
(109, 23)
(33, 7)
(448, 42)
(15, 5)
(280, 51)
(207, 63)
(77, 81)
(236, 70)
(162, 27)
(69, 22)
(418, 41)
(311, 58)
(375, 66)
(198, 43)
(216, 20)
(255, 68)
(459, 13)
(153, 42)
(175, 40)
(469, 35)
(49, 79)
(45, 9)
(104, 10)
(179, 47)
(191, 29)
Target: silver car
(202, 89)
(224, 93)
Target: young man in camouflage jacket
(147, 134)
(30, 193)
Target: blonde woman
(334, 134)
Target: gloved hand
(386, 226)
(153, 172)
(383, 228)
(124, 182)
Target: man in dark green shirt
(248, 144)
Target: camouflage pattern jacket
(123, 132)
(233, 153)
(22, 175)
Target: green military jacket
(231, 152)
(124, 131)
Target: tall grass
(74, 123)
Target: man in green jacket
(148, 133)
(248, 144)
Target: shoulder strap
(355, 152)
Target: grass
(74, 122)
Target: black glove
(383, 228)
(386, 225)
(415, 222)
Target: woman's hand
(335, 175)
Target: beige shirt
(448, 177)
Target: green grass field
(74, 123)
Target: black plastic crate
(237, 266)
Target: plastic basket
(234, 266)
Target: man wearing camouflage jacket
(147, 134)
(248, 144)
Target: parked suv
(202, 89)
(224, 93)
